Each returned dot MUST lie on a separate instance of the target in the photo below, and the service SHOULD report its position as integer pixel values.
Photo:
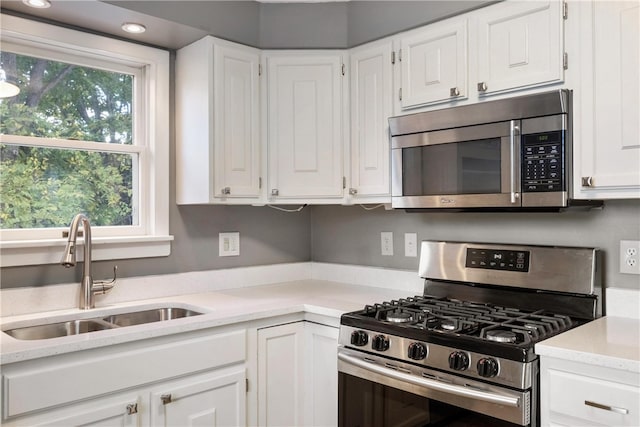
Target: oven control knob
(359, 338)
(417, 351)
(458, 360)
(487, 367)
(380, 343)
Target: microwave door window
(470, 167)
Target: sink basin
(55, 330)
(81, 326)
(149, 316)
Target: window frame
(150, 238)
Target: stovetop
(480, 327)
(480, 315)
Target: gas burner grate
(483, 321)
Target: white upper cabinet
(433, 61)
(519, 44)
(305, 120)
(217, 123)
(371, 73)
(607, 128)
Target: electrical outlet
(386, 241)
(229, 244)
(410, 244)
(630, 256)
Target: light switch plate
(411, 244)
(229, 244)
(386, 243)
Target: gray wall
(351, 235)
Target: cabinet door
(434, 64)
(237, 136)
(280, 375)
(607, 137)
(520, 44)
(217, 123)
(321, 375)
(115, 410)
(214, 399)
(305, 123)
(371, 105)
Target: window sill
(37, 252)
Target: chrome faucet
(87, 287)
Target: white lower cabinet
(297, 375)
(120, 410)
(189, 379)
(215, 399)
(578, 394)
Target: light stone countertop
(305, 290)
(222, 307)
(610, 342)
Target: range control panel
(495, 259)
(543, 162)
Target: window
(88, 133)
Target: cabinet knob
(587, 181)
(482, 87)
(275, 192)
(166, 399)
(226, 190)
(454, 91)
(132, 408)
(353, 191)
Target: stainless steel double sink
(110, 321)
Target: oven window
(470, 167)
(364, 403)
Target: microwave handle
(514, 133)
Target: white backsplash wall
(351, 235)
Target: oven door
(378, 392)
(468, 167)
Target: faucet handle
(103, 286)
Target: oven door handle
(432, 384)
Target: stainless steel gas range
(462, 354)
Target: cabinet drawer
(598, 401)
(44, 384)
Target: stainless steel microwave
(508, 154)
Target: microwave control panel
(543, 162)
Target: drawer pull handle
(166, 399)
(606, 407)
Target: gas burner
(500, 335)
(448, 325)
(399, 317)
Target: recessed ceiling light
(38, 4)
(132, 27)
